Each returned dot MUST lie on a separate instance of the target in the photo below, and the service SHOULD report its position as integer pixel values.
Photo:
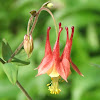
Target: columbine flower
(54, 65)
(28, 44)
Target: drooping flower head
(54, 65)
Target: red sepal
(63, 68)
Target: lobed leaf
(6, 50)
(11, 72)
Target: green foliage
(11, 72)
(11, 68)
(85, 16)
(6, 50)
(21, 59)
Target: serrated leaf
(11, 72)
(6, 50)
(21, 59)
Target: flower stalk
(23, 90)
(36, 18)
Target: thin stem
(29, 23)
(46, 9)
(23, 90)
(35, 21)
(21, 45)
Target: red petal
(75, 68)
(45, 65)
(67, 49)
(63, 68)
(56, 47)
(66, 52)
(47, 45)
(45, 60)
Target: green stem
(23, 90)
(29, 23)
(46, 9)
(35, 21)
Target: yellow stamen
(48, 84)
(54, 88)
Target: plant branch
(23, 90)
(46, 9)
(35, 21)
(36, 18)
(29, 22)
(32, 29)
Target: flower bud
(50, 5)
(28, 44)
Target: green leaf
(11, 72)
(21, 59)
(6, 50)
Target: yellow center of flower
(52, 72)
(54, 88)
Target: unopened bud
(28, 44)
(50, 5)
(45, 4)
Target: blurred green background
(85, 16)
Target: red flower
(53, 64)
